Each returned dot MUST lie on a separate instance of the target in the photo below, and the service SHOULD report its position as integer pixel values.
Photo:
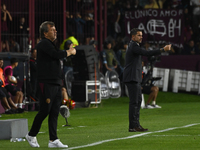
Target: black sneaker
(13, 110)
(9, 111)
(19, 110)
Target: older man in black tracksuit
(49, 77)
(132, 76)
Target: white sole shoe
(56, 143)
(32, 141)
(149, 107)
(156, 106)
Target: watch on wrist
(162, 49)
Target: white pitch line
(171, 135)
(130, 137)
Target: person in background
(70, 23)
(152, 91)
(24, 29)
(6, 100)
(5, 16)
(149, 89)
(89, 28)
(120, 55)
(136, 5)
(4, 46)
(109, 58)
(67, 62)
(13, 45)
(33, 72)
(191, 48)
(4, 103)
(34, 95)
(65, 97)
(79, 23)
(11, 83)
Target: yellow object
(73, 39)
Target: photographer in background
(149, 88)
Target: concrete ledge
(13, 128)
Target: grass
(110, 121)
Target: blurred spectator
(152, 91)
(187, 33)
(95, 43)
(196, 16)
(143, 3)
(127, 5)
(147, 46)
(187, 17)
(13, 45)
(70, 23)
(67, 62)
(176, 4)
(5, 104)
(113, 17)
(4, 46)
(89, 28)
(33, 72)
(191, 48)
(6, 100)
(108, 58)
(87, 7)
(5, 16)
(154, 4)
(120, 55)
(136, 5)
(31, 89)
(65, 96)
(79, 27)
(11, 83)
(24, 29)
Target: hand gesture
(167, 47)
(71, 51)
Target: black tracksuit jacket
(48, 62)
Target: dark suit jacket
(133, 65)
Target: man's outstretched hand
(167, 47)
(71, 51)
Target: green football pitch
(176, 126)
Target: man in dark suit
(132, 76)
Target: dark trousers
(50, 101)
(134, 90)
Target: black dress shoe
(138, 129)
(143, 128)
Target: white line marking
(130, 137)
(81, 126)
(171, 135)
